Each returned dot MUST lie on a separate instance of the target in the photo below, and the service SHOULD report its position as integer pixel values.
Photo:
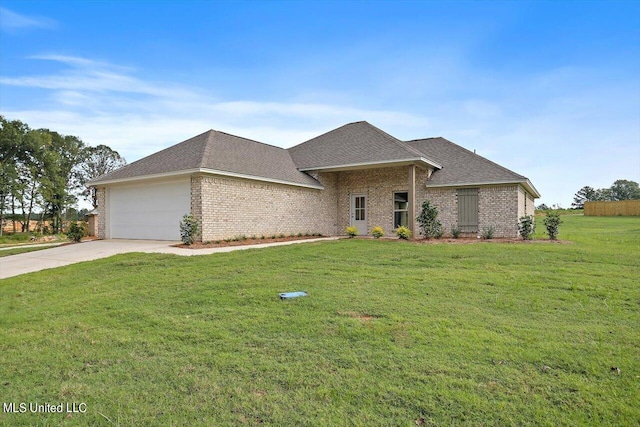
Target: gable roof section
(354, 144)
(219, 153)
(463, 167)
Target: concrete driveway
(29, 262)
(15, 265)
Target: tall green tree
(61, 180)
(12, 152)
(98, 161)
(585, 194)
(624, 189)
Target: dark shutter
(468, 210)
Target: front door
(359, 213)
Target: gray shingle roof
(217, 151)
(353, 143)
(461, 166)
(358, 143)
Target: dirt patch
(244, 242)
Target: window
(400, 209)
(360, 208)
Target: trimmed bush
(189, 229)
(377, 232)
(75, 232)
(487, 232)
(428, 221)
(552, 223)
(403, 233)
(526, 227)
(455, 232)
(351, 232)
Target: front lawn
(390, 334)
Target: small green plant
(403, 233)
(552, 223)
(263, 237)
(487, 232)
(189, 229)
(377, 232)
(428, 221)
(253, 237)
(300, 234)
(228, 239)
(455, 232)
(351, 232)
(526, 227)
(75, 232)
(281, 235)
(274, 236)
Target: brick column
(412, 199)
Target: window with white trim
(400, 209)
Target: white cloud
(555, 129)
(13, 22)
(106, 104)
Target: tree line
(621, 189)
(42, 173)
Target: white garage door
(148, 211)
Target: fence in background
(621, 208)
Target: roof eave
(524, 182)
(369, 165)
(206, 171)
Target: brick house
(354, 175)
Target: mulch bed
(248, 241)
(421, 241)
(469, 240)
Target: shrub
(487, 232)
(75, 232)
(455, 232)
(526, 227)
(428, 221)
(552, 222)
(377, 232)
(351, 232)
(188, 229)
(403, 233)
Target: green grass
(390, 333)
(13, 238)
(22, 250)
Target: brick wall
(498, 208)
(378, 185)
(445, 200)
(228, 207)
(102, 213)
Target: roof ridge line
(475, 154)
(398, 141)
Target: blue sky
(548, 89)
